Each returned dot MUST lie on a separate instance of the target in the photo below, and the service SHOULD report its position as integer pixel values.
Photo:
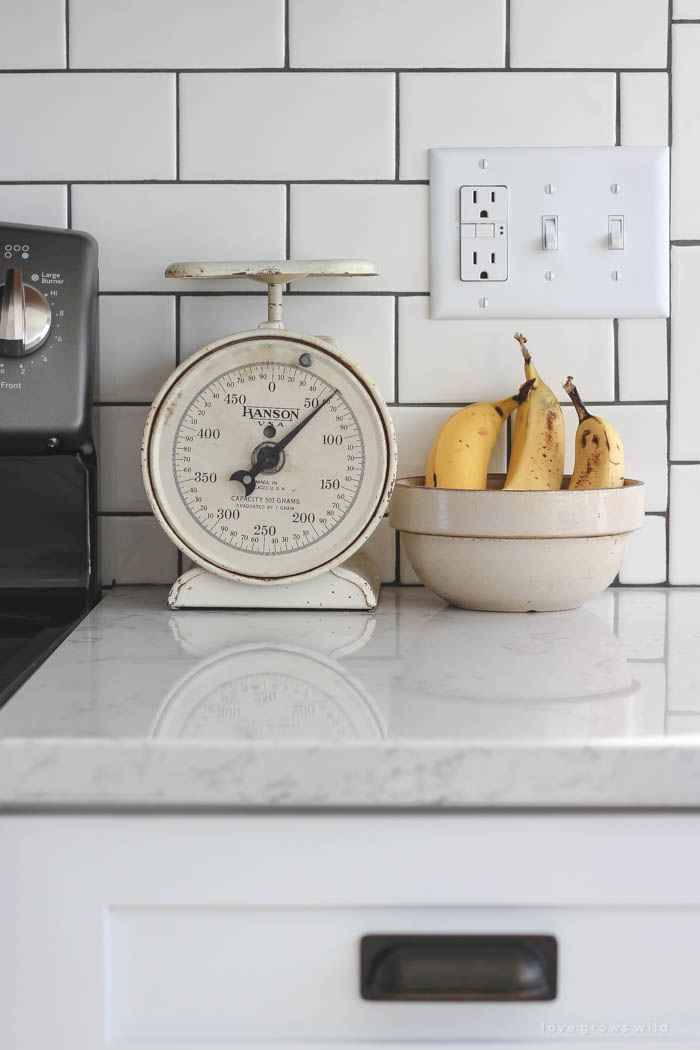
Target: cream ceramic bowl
(516, 551)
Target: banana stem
(520, 338)
(524, 392)
(573, 393)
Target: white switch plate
(584, 277)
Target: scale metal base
(352, 585)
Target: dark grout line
(616, 359)
(564, 404)
(685, 244)
(177, 127)
(233, 293)
(618, 123)
(178, 351)
(669, 65)
(288, 224)
(449, 404)
(69, 205)
(397, 129)
(67, 17)
(396, 349)
(216, 182)
(339, 69)
(124, 514)
(506, 56)
(286, 34)
(684, 462)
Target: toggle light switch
(616, 232)
(550, 233)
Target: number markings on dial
(328, 462)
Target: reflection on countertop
(335, 703)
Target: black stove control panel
(48, 336)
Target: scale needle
(268, 455)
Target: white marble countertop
(417, 705)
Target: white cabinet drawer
(226, 974)
(224, 932)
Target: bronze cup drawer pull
(453, 967)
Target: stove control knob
(25, 316)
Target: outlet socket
(484, 258)
(483, 204)
(483, 233)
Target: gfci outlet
(549, 232)
(483, 233)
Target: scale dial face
(268, 457)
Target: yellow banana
(537, 453)
(600, 455)
(459, 458)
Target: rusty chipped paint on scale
(275, 272)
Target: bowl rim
(417, 481)
(516, 514)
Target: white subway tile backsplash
(684, 558)
(321, 126)
(462, 361)
(141, 229)
(381, 547)
(417, 428)
(303, 92)
(685, 161)
(642, 358)
(397, 33)
(158, 34)
(595, 33)
(363, 326)
(204, 318)
(685, 361)
(135, 550)
(497, 109)
(36, 205)
(686, 9)
(644, 109)
(34, 35)
(73, 126)
(645, 560)
(120, 487)
(643, 432)
(137, 346)
(387, 224)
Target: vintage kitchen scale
(269, 458)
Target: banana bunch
(600, 455)
(459, 458)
